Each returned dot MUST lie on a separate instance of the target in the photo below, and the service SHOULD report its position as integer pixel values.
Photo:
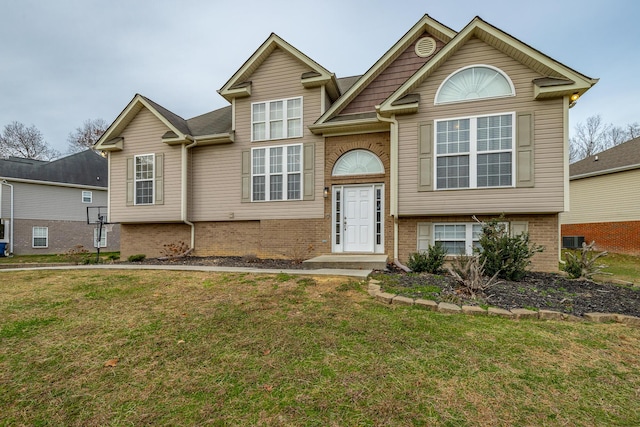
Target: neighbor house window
(474, 83)
(475, 152)
(144, 179)
(40, 237)
(458, 238)
(276, 173)
(87, 197)
(103, 238)
(276, 119)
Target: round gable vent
(425, 47)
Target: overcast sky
(65, 61)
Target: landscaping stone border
(516, 313)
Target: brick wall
(618, 237)
(543, 230)
(149, 239)
(63, 236)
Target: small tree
(505, 255)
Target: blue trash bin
(3, 249)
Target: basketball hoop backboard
(97, 215)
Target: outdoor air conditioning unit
(572, 242)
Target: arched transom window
(475, 82)
(358, 162)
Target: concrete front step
(358, 262)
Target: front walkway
(359, 274)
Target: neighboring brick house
(605, 200)
(444, 126)
(43, 205)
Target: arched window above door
(358, 162)
(474, 83)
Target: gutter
(393, 191)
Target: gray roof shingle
(620, 157)
(84, 168)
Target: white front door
(358, 219)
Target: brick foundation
(63, 236)
(618, 237)
(543, 230)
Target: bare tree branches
(27, 142)
(594, 136)
(85, 136)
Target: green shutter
(309, 151)
(129, 189)
(159, 181)
(246, 176)
(525, 158)
(425, 157)
(424, 236)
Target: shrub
(136, 258)
(504, 255)
(430, 261)
(78, 255)
(174, 250)
(583, 263)
(469, 272)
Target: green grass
(53, 258)
(236, 349)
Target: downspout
(183, 193)
(393, 179)
(4, 182)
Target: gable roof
(86, 168)
(239, 85)
(560, 80)
(210, 128)
(625, 156)
(426, 24)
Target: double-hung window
(87, 197)
(458, 238)
(475, 152)
(276, 119)
(40, 237)
(144, 165)
(276, 173)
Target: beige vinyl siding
(548, 193)
(50, 202)
(143, 136)
(605, 198)
(216, 174)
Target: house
(44, 204)
(605, 200)
(444, 126)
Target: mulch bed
(542, 291)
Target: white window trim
(33, 237)
(468, 240)
(285, 118)
(285, 173)
(459, 70)
(87, 195)
(473, 151)
(103, 240)
(136, 180)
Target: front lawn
(89, 348)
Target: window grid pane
(495, 133)
(453, 136)
(293, 186)
(275, 160)
(453, 172)
(494, 170)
